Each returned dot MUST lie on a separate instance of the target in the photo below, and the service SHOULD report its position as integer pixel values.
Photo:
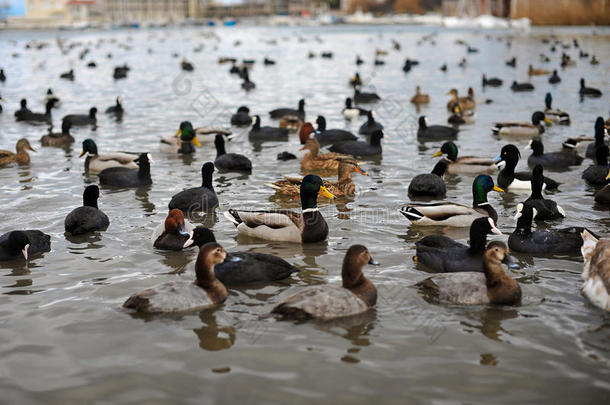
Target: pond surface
(65, 338)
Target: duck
(519, 87)
(59, 139)
(429, 184)
(2, 100)
(187, 66)
(603, 196)
(184, 141)
(556, 116)
(466, 103)
(554, 79)
(459, 117)
(419, 97)
(125, 177)
(328, 136)
(594, 60)
(50, 96)
(360, 148)
(596, 270)
(343, 187)
(22, 156)
(350, 113)
(23, 244)
(247, 84)
(314, 160)
(492, 286)
(453, 214)
(364, 98)
(464, 164)
(95, 163)
(175, 233)
(251, 267)
(600, 135)
(553, 160)
(434, 132)
(356, 295)
(69, 75)
(181, 296)
(230, 161)
(2, 76)
(545, 209)
(268, 61)
(88, 217)
(242, 117)
(82, 119)
(516, 182)
(523, 240)
(520, 129)
(197, 198)
(280, 112)
(32, 117)
(355, 80)
(588, 91)
(291, 122)
(308, 226)
(493, 82)
(23, 109)
(531, 71)
(444, 255)
(596, 175)
(370, 125)
(266, 133)
(117, 108)
(512, 62)
(359, 60)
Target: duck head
(206, 174)
(311, 187)
(210, 254)
(256, 122)
(305, 131)
(92, 112)
(423, 123)
(497, 253)
(348, 103)
(89, 147)
(187, 133)
(448, 148)
(479, 229)
(65, 127)
(18, 242)
(482, 185)
(175, 225)
(23, 145)
(353, 278)
(538, 117)
(243, 109)
(219, 143)
(23, 103)
(321, 121)
(301, 105)
(453, 93)
(90, 196)
(509, 157)
(548, 100)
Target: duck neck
(144, 171)
(206, 279)
(477, 240)
(375, 140)
(356, 282)
(220, 148)
(524, 225)
(501, 288)
(206, 180)
(537, 184)
(89, 201)
(309, 201)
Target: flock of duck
(467, 274)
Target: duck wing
(121, 157)
(465, 288)
(6, 153)
(321, 302)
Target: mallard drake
(242, 117)
(360, 148)
(180, 296)
(18, 244)
(350, 112)
(182, 141)
(554, 78)
(324, 302)
(95, 163)
(117, 108)
(444, 255)
(370, 125)
(492, 286)
(523, 240)
(266, 133)
(230, 161)
(344, 186)
(284, 225)
(429, 184)
(82, 119)
(464, 164)
(280, 112)
(355, 80)
(588, 91)
(545, 208)
(452, 214)
(434, 132)
(519, 87)
(459, 116)
(554, 115)
(596, 270)
(522, 128)
(553, 160)
(197, 198)
(314, 160)
(364, 98)
(531, 71)
(493, 82)
(597, 174)
(419, 97)
(466, 103)
(88, 217)
(22, 156)
(175, 233)
(125, 177)
(31, 117)
(519, 182)
(59, 139)
(328, 136)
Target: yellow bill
(437, 154)
(325, 193)
(196, 141)
(178, 133)
(82, 153)
(608, 176)
(358, 169)
(498, 189)
(546, 120)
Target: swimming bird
(280, 112)
(187, 66)
(419, 97)
(50, 96)
(603, 196)
(82, 119)
(553, 160)
(588, 91)
(453, 214)
(197, 198)
(175, 233)
(464, 164)
(466, 103)
(95, 163)
(88, 217)
(545, 209)
(184, 141)
(125, 177)
(493, 82)
(266, 133)
(180, 296)
(22, 156)
(519, 182)
(247, 84)
(314, 160)
(459, 116)
(363, 98)
(512, 62)
(32, 117)
(2, 76)
(429, 184)
(23, 109)
(360, 148)
(370, 126)
(18, 244)
(324, 302)
(492, 286)
(434, 132)
(554, 115)
(444, 255)
(531, 71)
(117, 108)
(519, 129)
(242, 117)
(518, 87)
(230, 161)
(596, 174)
(596, 270)
(554, 78)
(69, 75)
(308, 226)
(328, 136)
(355, 80)
(350, 112)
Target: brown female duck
(314, 160)
(21, 157)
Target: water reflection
(213, 337)
(356, 329)
(491, 319)
(142, 196)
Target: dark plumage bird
(268, 61)
(603, 195)
(280, 112)
(172, 234)
(29, 116)
(197, 198)
(328, 136)
(23, 244)
(242, 117)
(350, 112)
(493, 82)
(68, 75)
(588, 91)
(360, 148)
(120, 72)
(553, 160)
(82, 119)
(430, 184)
(359, 60)
(521, 87)
(59, 139)
(434, 132)
(23, 109)
(370, 126)
(512, 62)
(117, 108)
(187, 66)
(600, 135)
(124, 177)
(445, 255)
(2, 76)
(362, 98)
(87, 218)
(266, 133)
(553, 114)
(597, 174)
(547, 209)
(554, 78)
(520, 181)
(247, 84)
(230, 161)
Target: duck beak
(303, 148)
(178, 133)
(547, 121)
(498, 189)
(608, 176)
(373, 262)
(511, 262)
(196, 141)
(235, 259)
(437, 154)
(362, 172)
(82, 153)
(497, 158)
(325, 193)
(31, 149)
(25, 251)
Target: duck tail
(233, 216)
(496, 129)
(411, 213)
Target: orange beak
(362, 172)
